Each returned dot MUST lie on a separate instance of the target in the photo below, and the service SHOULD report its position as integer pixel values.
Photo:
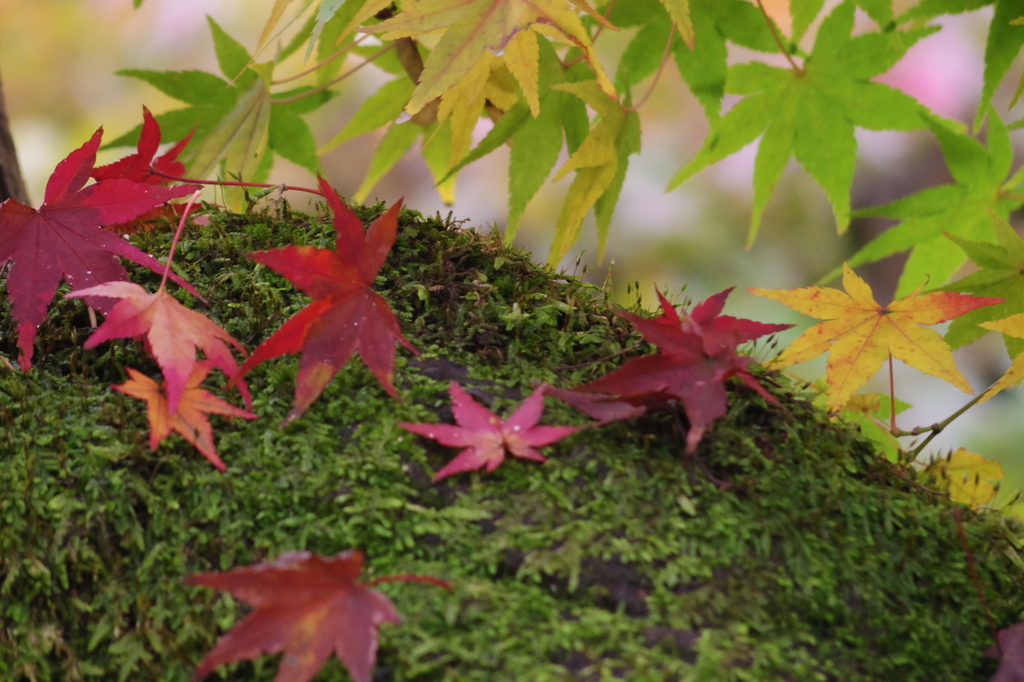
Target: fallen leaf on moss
(486, 436)
(346, 315)
(190, 418)
(698, 354)
(306, 606)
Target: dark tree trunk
(11, 184)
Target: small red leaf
(486, 437)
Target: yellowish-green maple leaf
(598, 162)
(967, 476)
(473, 27)
(860, 335)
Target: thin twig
(778, 39)
(657, 75)
(327, 60)
(936, 429)
(231, 183)
(310, 93)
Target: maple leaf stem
(411, 578)
(310, 93)
(974, 576)
(778, 39)
(177, 235)
(340, 53)
(657, 75)
(232, 183)
(892, 398)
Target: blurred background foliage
(58, 60)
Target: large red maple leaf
(63, 238)
(346, 315)
(697, 355)
(485, 436)
(304, 605)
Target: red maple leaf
(346, 314)
(138, 167)
(304, 605)
(189, 419)
(486, 436)
(172, 333)
(63, 238)
(698, 354)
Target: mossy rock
(617, 559)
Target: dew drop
(515, 428)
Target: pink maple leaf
(486, 437)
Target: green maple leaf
(810, 113)
(1004, 41)
(237, 121)
(965, 209)
(1000, 274)
(702, 66)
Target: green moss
(615, 560)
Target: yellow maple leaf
(967, 477)
(596, 162)
(474, 27)
(522, 58)
(859, 334)
(462, 103)
(1011, 326)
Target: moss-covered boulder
(617, 559)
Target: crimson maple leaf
(172, 333)
(189, 419)
(138, 167)
(63, 238)
(346, 314)
(486, 436)
(698, 354)
(304, 605)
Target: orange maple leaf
(172, 331)
(860, 334)
(190, 418)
